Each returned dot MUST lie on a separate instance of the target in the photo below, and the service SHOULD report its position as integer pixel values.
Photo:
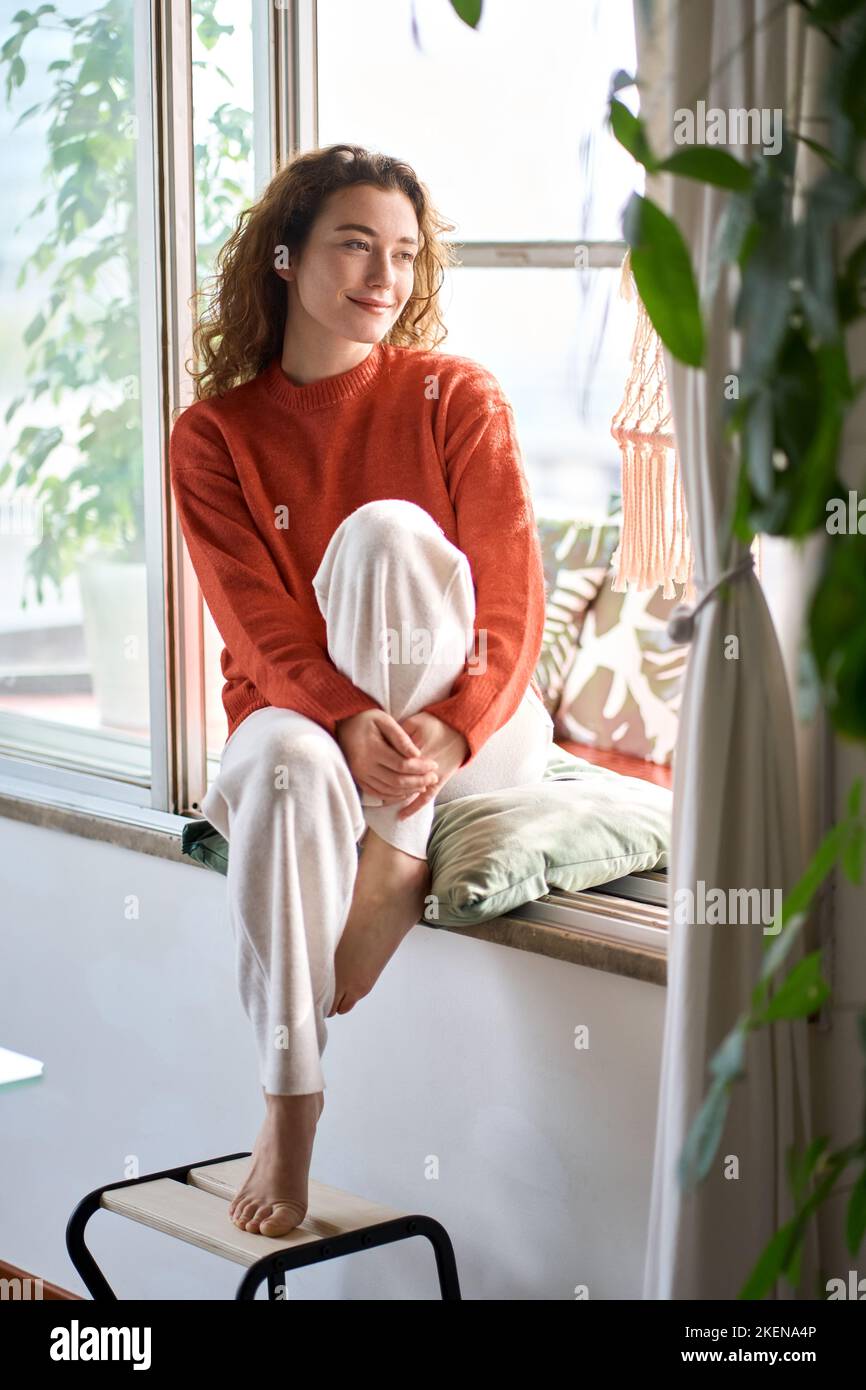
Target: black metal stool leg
(446, 1265)
(94, 1280)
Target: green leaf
(852, 806)
(852, 855)
(799, 899)
(800, 994)
(468, 10)
(852, 284)
(776, 950)
(664, 278)
(703, 1138)
(817, 274)
(25, 115)
(772, 1262)
(838, 635)
(727, 1062)
(758, 444)
(815, 145)
(35, 327)
(709, 165)
(764, 303)
(728, 239)
(800, 1170)
(630, 131)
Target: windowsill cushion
(582, 826)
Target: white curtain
(736, 817)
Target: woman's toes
(243, 1212)
(257, 1215)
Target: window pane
(228, 168)
(505, 125)
(73, 593)
(559, 343)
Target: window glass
(225, 182)
(504, 124)
(558, 342)
(73, 593)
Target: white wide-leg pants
(399, 606)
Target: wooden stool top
(196, 1212)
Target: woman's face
(362, 246)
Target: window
(88, 699)
(137, 134)
(76, 408)
(232, 161)
(507, 131)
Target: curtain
(736, 819)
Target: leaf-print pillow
(624, 686)
(576, 555)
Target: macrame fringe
(655, 547)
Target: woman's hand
(382, 757)
(438, 740)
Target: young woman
(357, 514)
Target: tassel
(654, 546)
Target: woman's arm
(266, 630)
(497, 531)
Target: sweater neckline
(329, 390)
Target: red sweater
(409, 423)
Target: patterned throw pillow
(575, 555)
(624, 686)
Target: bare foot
(389, 899)
(272, 1200)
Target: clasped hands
(395, 759)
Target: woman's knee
(307, 763)
(384, 524)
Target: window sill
(597, 928)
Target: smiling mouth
(373, 308)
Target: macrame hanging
(654, 543)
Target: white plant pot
(114, 611)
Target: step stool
(190, 1203)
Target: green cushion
(581, 826)
(202, 841)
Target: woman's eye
(408, 254)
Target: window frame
(285, 60)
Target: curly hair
(243, 324)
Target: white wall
(464, 1050)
